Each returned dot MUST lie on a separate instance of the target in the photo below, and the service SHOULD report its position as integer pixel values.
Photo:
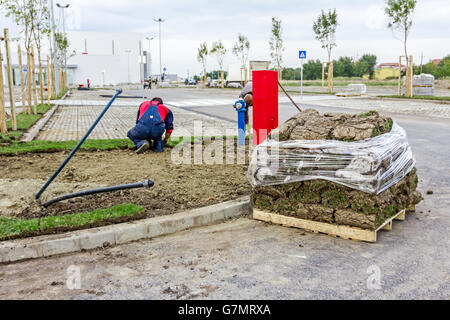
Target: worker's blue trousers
(141, 134)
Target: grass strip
(339, 83)
(15, 147)
(60, 95)
(418, 97)
(26, 121)
(311, 92)
(12, 147)
(13, 228)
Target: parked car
(216, 83)
(190, 82)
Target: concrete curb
(34, 130)
(46, 246)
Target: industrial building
(103, 58)
(106, 58)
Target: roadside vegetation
(15, 147)
(24, 122)
(10, 146)
(311, 92)
(344, 67)
(419, 97)
(338, 83)
(440, 70)
(13, 228)
(60, 95)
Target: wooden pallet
(345, 232)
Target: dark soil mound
(310, 125)
(324, 201)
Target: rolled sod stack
(325, 201)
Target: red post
(265, 104)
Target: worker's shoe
(144, 147)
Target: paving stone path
(71, 122)
(74, 116)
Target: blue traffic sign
(164, 69)
(302, 54)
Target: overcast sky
(362, 29)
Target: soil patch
(177, 186)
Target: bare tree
(219, 51)
(325, 29)
(399, 13)
(241, 49)
(41, 28)
(202, 56)
(276, 44)
(21, 12)
(62, 44)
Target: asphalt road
(245, 259)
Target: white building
(105, 58)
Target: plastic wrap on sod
(86, 135)
(371, 166)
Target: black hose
(77, 147)
(145, 184)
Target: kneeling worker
(153, 119)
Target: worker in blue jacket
(153, 119)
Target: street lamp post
(62, 7)
(141, 64)
(55, 48)
(128, 52)
(159, 20)
(149, 63)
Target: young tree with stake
(201, 57)
(21, 12)
(325, 29)
(399, 13)
(276, 45)
(219, 51)
(41, 21)
(3, 127)
(240, 50)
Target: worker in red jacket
(153, 119)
